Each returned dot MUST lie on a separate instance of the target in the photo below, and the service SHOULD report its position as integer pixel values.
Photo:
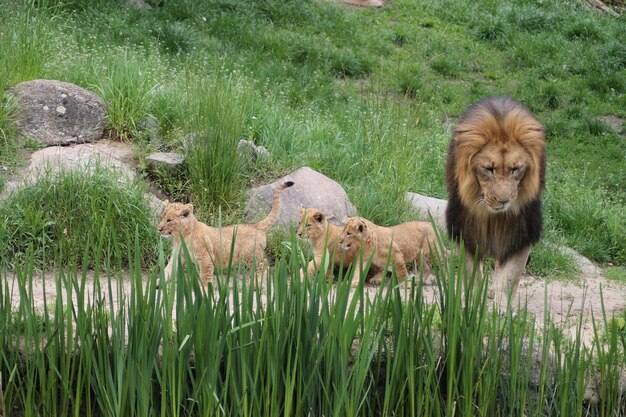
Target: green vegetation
(366, 96)
(311, 350)
(59, 217)
(334, 88)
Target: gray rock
(248, 149)
(429, 205)
(138, 4)
(169, 160)
(262, 153)
(51, 161)
(58, 113)
(311, 189)
(151, 126)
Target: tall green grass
(55, 218)
(367, 96)
(127, 92)
(297, 348)
(216, 125)
(27, 34)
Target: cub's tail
(270, 219)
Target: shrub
(216, 128)
(127, 91)
(64, 218)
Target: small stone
(164, 159)
(245, 145)
(261, 152)
(46, 108)
(61, 110)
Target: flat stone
(165, 159)
(426, 206)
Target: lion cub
(209, 246)
(314, 226)
(407, 242)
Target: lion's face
(353, 234)
(176, 218)
(499, 172)
(496, 160)
(312, 225)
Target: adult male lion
(495, 174)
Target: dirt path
(567, 302)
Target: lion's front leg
(507, 277)
(469, 270)
(205, 267)
(358, 265)
(170, 266)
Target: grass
(56, 217)
(331, 88)
(186, 351)
(617, 273)
(367, 97)
(212, 159)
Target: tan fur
(406, 241)
(209, 246)
(495, 174)
(314, 226)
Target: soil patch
(566, 303)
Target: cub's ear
(301, 209)
(362, 227)
(319, 217)
(187, 210)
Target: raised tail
(271, 217)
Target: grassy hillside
(366, 96)
(369, 98)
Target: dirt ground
(567, 302)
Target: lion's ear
(318, 217)
(187, 210)
(361, 227)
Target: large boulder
(310, 189)
(59, 113)
(429, 206)
(53, 160)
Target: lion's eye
(517, 171)
(490, 170)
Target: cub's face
(499, 170)
(176, 219)
(352, 234)
(312, 225)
